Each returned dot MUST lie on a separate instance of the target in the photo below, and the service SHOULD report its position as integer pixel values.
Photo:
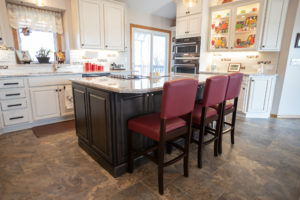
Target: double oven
(186, 55)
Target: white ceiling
(163, 8)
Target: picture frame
(23, 56)
(234, 67)
(297, 43)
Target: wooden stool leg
(200, 145)
(233, 126)
(169, 147)
(221, 135)
(161, 167)
(130, 151)
(186, 151)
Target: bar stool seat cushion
(149, 125)
(227, 106)
(197, 113)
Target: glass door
(246, 26)
(220, 28)
(150, 52)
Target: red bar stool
(233, 91)
(203, 114)
(178, 100)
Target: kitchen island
(103, 105)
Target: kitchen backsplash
(7, 57)
(249, 61)
(103, 57)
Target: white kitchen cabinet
(183, 10)
(45, 102)
(189, 26)
(181, 27)
(256, 97)
(114, 23)
(276, 11)
(91, 23)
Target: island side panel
(127, 107)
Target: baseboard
(288, 116)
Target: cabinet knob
(56, 90)
(252, 80)
(263, 46)
(82, 44)
(243, 88)
(106, 46)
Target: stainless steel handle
(11, 84)
(14, 94)
(14, 105)
(14, 118)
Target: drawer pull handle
(14, 94)
(11, 84)
(14, 105)
(14, 118)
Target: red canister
(94, 67)
(87, 67)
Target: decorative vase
(43, 59)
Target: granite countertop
(47, 70)
(144, 85)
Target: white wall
(288, 96)
(5, 28)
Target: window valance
(36, 19)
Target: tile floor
(263, 164)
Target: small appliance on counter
(115, 66)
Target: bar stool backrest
(178, 98)
(234, 86)
(215, 90)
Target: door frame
(132, 26)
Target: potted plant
(43, 55)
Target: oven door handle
(188, 65)
(189, 43)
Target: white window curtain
(36, 19)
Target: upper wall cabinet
(183, 10)
(114, 26)
(189, 26)
(235, 27)
(188, 20)
(275, 11)
(90, 17)
(102, 24)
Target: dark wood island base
(101, 118)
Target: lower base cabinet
(256, 97)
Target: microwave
(187, 47)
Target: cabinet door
(258, 94)
(245, 28)
(45, 102)
(182, 27)
(194, 25)
(81, 118)
(220, 29)
(66, 100)
(183, 10)
(274, 25)
(99, 122)
(113, 26)
(90, 16)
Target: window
(150, 51)
(36, 40)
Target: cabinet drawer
(13, 104)
(11, 83)
(15, 117)
(12, 94)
